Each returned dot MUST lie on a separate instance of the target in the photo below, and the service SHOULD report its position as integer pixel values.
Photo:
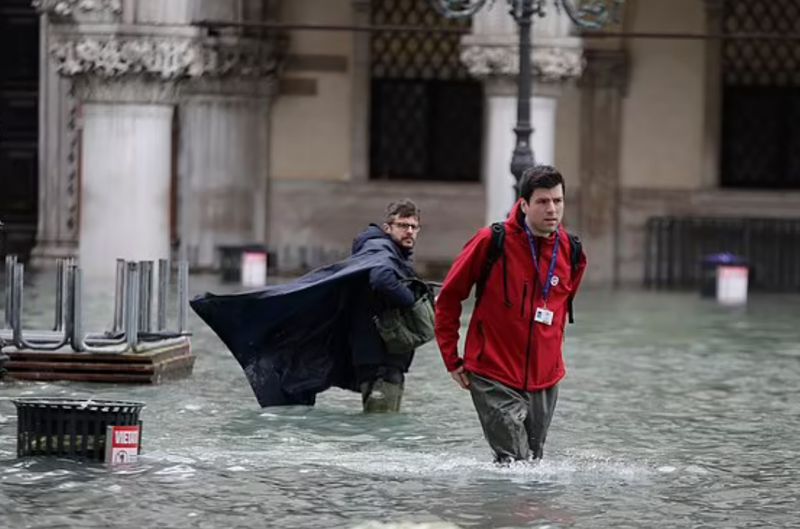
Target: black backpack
(496, 251)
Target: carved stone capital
(550, 63)
(164, 58)
(80, 10)
(139, 90)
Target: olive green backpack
(404, 329)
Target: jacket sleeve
(464, 273)
(385, 281)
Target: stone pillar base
(45, 253)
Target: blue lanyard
(553, 260)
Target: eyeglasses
(406, 226)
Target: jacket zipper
(530, 340)
(483, 341)
(524, 296)
(527, 357)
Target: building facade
(157, 134)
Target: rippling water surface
(674, 413)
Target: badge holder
(543, 316)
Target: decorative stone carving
(163, 58)
(549, 63)
(134, 89)
(68, 8)
(73, 147)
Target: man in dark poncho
(296, 340)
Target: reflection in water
(675, 412)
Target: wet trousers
(514, 422)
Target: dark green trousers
(514, 422)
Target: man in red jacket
(513, 357)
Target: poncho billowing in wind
(293, 340)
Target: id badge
(543, 316)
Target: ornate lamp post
(590, 14)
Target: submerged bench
(151, 367)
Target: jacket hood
(375, 233)
(516, 217)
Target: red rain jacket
(503, 341)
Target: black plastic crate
(70, 427)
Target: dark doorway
(19, 126)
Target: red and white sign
(732, 285)
(254, 269)
(122, 444)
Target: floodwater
(675, 413)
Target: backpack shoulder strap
(495, 251)
(576, 251)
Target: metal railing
(131, 327)
(675, 248)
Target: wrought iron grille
(415, 55)
(761, 95)
(426, 112)
(675, 249)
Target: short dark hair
(539, 177)
(401, 209)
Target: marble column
(223, 197)
(130, 64)
(603, 86)
(501, 112)
(491, 52)
(126, 155)
(57, 231)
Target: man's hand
(460, 376)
